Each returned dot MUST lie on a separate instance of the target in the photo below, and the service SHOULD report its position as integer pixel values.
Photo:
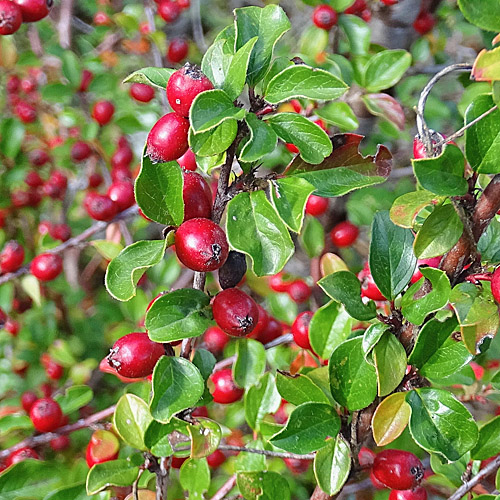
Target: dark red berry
(389, 2)
(33, 179)
(178, 461)
(197, 196)
(100, 207)
(28, 85)
(95, 180)
(11, 257)
(344, 234)
(22, 454)
(233, 270)
(177, 50)
(46, 266)
(142, 92)
(225, 390)
(34, 10)
(121, 174)
(368, 287)
(316, 205)
(215, 340)
(38, 157)
(416, 494)
(356, 8)
(46, 415)
(366, 15)
(169, 10)
(201, 245)
(61, 232)
(80, 151)
(299, 291)
(12, 327)
(217, 458)
(271, 331)
(122, 193)
(87, 77)
(135, 355)
(188, 161)
(184, 85)
(235, 312)
(495, 284)
(297, 466)
(102, 112)
(324, 17)
(10, 17)
(28, 398)
(20, 198)
(424, 22)
(13, 83)
(26, 112)
(200, 411)
(60, 443)
(168, 139)
(398, 469)
(300, 329)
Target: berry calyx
(80, 151)
(20, 455)
(168, 139)
(215, 340)
(177, 50)
(46, 415)
(11, 257)
(197, 196)
(324, 17)
(34, 10)
(135, 355)
(344, 234)
(46, 266)
(416, 494)
(142, 92)
(122, 193)
(225, 390)
(102, 112)
(316, 205)
(398, 469)
(103, 447)
(235, 312)
(10, 17)
(201, 245)
(100, 207)
(300, 329)
(495, 285)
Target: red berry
(135, 355)
(277, 284)
(366, 15)
(235, 312)
(95, 180)
(188, 161)
(28, 398)
(142, 92)
(178, 461)
(324, 17)
(197, 196)
(296, 465)
(344, 234)
(87, 77)
(169, 10)
(46, 266)
(53, 370)
(424, 22)
(102, 112)
(272, 330)
(368, 287)
(102, 19)
(389, 2)
(297, 107)
(103, 447)
(495, 284)
(356, 8)
(168, 139)
(299, 291)
(201, 245)
(398, 469)
(10, 17)
(432, 262)
(28, 85)
(100, 207)
(46, 389)
(376, 483)
(34, 10)
(121, 174)
(26, 112)
(300, 329)
(22, 454)
(200, 411)
(38, 157)
(225, 390)
(46, 415)
(292, 148)
(366, 457)
(33, 179)
(217, 458)
(12, 326)
(44, 227)
(11, 257)
(316, 205)
(177, 50)
(144, 28)
(60, 443)
(416, 494)
(184, 4)
(122, 193)
(61, 232)
(80, 151)
(13, 83)
(215, 340)
(20, 198)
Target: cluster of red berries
(15, 12)
(23, 96)
(298, 290)
(170, 10)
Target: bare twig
(64, 24)
(225, 488)
(35, 42)
(197, 26)
(267, 453)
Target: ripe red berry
(95, 180)
(200, 411)
(324, 17)
(431, 262)
(217, 458)
(28, 398)
(184, 85)
(12, 327)
(38, 157)
(26, 112)
(188, 161)
(416, 494)
(495, 284)
(235, 312)
(178, 461)
(103, 447)
(366, 15)
(299, 291)
(46, 266)
(300, 329)
(100, 207)
(168, 139)
(184, 4)
(356, 8)
(366, 457)
(215, 340)
(34, 10)
(53, 370)
(197, 196)
(201, 245)
(10, 17)
(135, 355)
(292, 148)
(389, 2)
(102, 112)
(142, 92)
(297, 466)
(87, 77)
(398, 469)
(316, 205)
(61, 232)
(22, 454)
(60, 443)
(46, 415)
(121, 174)
(12, 85)
(122, 193)
(271, 331)
(344, 234)
(277, 284)
(11, 257)
(80, 151)
(169, 10)
(225, 390)
(375, 482)
(28, 85)
(177, 50)
(368, 287)
(424, 22)
(33, 179)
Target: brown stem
(64, 25)
(225, 488)
(319, 494)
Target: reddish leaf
(487, 65)
(387, 107)
(390, 418)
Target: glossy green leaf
(440, 424)
(371, 337)
(108, 249)
(121, 472)
(250, 362)
(339, 114)
(390, 363)
(312, 236)
(71, 68)
(405, 209)
(254, 227)
(214, 141)
(385, 69)
(247, 462)
(332, 465)
(387, 107)
(282, 307)
(392, 262)
(298, 389)
(76, 492)
(216, 61)
(177, 385)
(307, 428)
(194, 477)
(450, 358)
(344, 287)
(14, 422)
(263, 485)
(489, 243)
(485, 14)
(358, 33)
(237, 70)
(125, 270)
(179, 315)
(261, 141)
(74, 397)
(261, 399)
(131, 419)
(390, 418)
(205, 437)
(158, 77)
(416, 309)
(11, 137)
(157, 436)
(488, 444)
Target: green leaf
(194, 477)
(205, 437)
(439, 233)
(312, 236)
(339, 114)
(11, 137)
(177, 385)
(261, 399)
(125, 270)
(216, 61)
(329, 327)
(390, 418)
(344, 287)
(268, 24)
(307, 428)
(487, 68)
(332, 465)
(237, 72)
(179, 315)
(415, 309)
(74, 398)
(444, 174)
(76, 492)
(121, 472)
(482, 140)
(289, 196)
(405, 209)
(392, 262)
(387, 107)
(108, 249)
(131, 420)
(298, 389)
(263, 485)
(214, 141)
(246, 462)
(158, 77)
(261, 141)
(371, 337)
(254, 227)
(358, 33)
(156, 437)
(440, 424)
(485, 14)
(158, 191)
(14, 422)
(71, 68)
(313, 143)
(489, 243)
(488, 444)
(353, 381)
(390, 363)
(211, 108)
(250, 362)
(304, 81)
(385, 69)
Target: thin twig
(267, 453)
(225, 488)
(64, 24)
(198, 36)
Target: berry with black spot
(398, 469)
(11, 17)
